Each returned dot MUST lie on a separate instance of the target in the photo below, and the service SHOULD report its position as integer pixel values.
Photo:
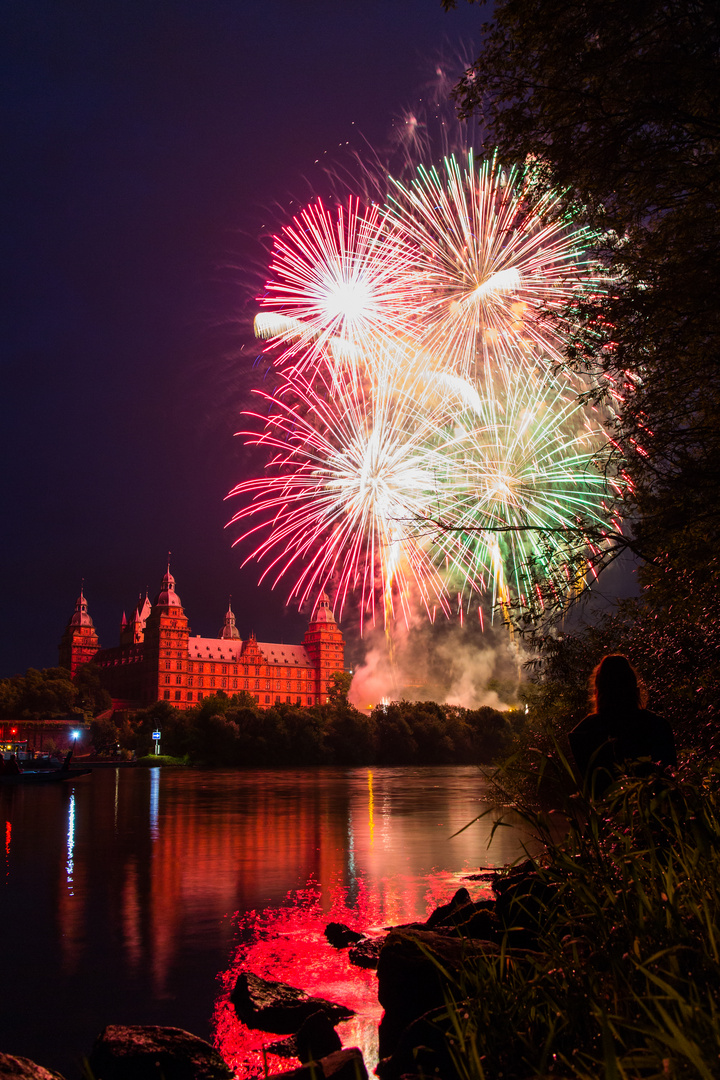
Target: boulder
(366, 953)
(316, 1038)
(278, 1007)
(22, 1068)
(422, 1049)
(445, 912)
(342, 1065)
(414, 969)
(340, 936)
(286, 1048)
(463, 917)
(150, 1052)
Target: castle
(158, 660)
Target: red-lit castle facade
(158, 660)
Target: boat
(13, 774)
(42, 776)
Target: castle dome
(323, 612)
(230, 630)
(167, 597)
(81, 616)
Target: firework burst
(419, 443)
(493, 261)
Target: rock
(366, 953)
(150, 1052)
(523, 900)
(422, 1049)
(340, 936)
(342, 1065)
(283, 1047)
(445, 912)
(463, 917)
(22, 1068)
(316, 1038)
(277, 1007)
(410, 982)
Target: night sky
(149, 149)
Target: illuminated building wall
(158, 660)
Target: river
(134, 895)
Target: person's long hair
(616, 687)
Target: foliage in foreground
(623, 980)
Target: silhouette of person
(620, 730)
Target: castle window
(224, 669)
(212, 669)
(190, 682)
(166, 695)
(167, 678)
(200, 695)
(267, 699)
(177, 695)
(234, 684)
(212, 682)
(178, 680)
(268, 685)
(167, 665)
(287, 699)
(257, 684)
(223, 683)
(179, 666)
(190, 696)
(245, 685)
(310, 701)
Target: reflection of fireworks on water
(415, 387)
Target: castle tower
(132, 632)
(165, 657)
(325, 646)
(230, 631)
(79, 642)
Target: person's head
(615, 685)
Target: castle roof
(167, 597)
(81, 616)
(225, 650)
(323, 612)
(230, 630)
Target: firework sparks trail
(492, 260)
(415, 385)
(347, 470)
(338, 287)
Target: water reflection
(150, 888)
(70, 843)
(154, 802)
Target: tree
(92, 697)
(617, 106)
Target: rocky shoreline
(419, 969)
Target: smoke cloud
(445, 662)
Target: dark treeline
(224, 732)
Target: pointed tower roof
(81, 616)
(167, 597)
(323, 612)
(230, 630)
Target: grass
(161, 759)
(622, 980)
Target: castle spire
(230, 630)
